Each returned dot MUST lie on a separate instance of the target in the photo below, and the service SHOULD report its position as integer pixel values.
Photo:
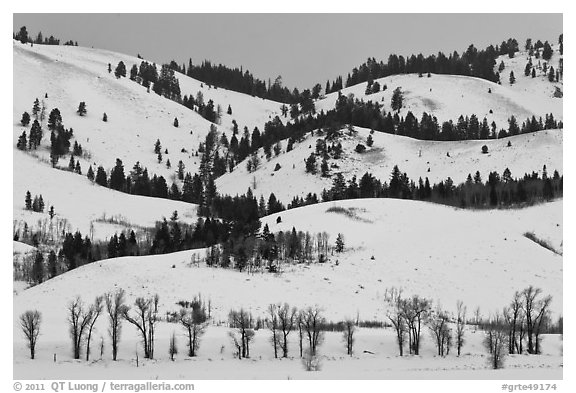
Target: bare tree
(415, 312)
(312, 322)
(273, 325)
(242, 321)
(115, 306)
(144, 319)
(438, 324)
(495, 341)
(173, 350)
(96, 311)
(287, 319)
(535, 310)
(193, 319)
(30, 324)
(460, 325)
(395, 315)
(78, 320)
(348, 336)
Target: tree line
(521, 323)
(23, 36)
(497, 191)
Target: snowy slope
(527, 153)
(478, 257)
(459, 255)
(135, 118)
(449, 96)
(83, 203)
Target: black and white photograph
(288, 196)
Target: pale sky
(303, 48)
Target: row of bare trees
(523, 321)
(144, 316)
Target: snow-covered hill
(136, 119)
(449, 96)
(432, 250)
(527, 153)
(85, 206)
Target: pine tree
(324, 168)
(229, 111)
(551, 75)
(120, 70)
(25, 119)
(134, 72)
(397, 99)
(512, 78)
(109, 68)
(71, 164)
(311, 164)
(81, 108)
(21, 145)
(104, 117)
(28, 200)
(369, 141)
(117, 178)
(77, 168)
(339, 243)
(157, 147)
(176, 122)
(52, 264)
(101, 177)
(38, 268)
(36, 109)
(180, 170)
(90, 174)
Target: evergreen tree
(90, 174)
(512, 78)
(120, 70)
(54, 119)
(134, 72)
(81, 108)
(101, 177)
(176, 122)
(52, 264)
(551, 75)
(547, 51)
(36, 109)
(311, 164)
(339, 243)
(38, 268)
(21, 144)
(369, 141)
(324, 168)
(397, 99)
(28, 200)
(25, 119)
(71, 164)
(157, 147)
(229, 111)
(180, 171)
(104, 117)
(117, 177)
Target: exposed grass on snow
(544, 243)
